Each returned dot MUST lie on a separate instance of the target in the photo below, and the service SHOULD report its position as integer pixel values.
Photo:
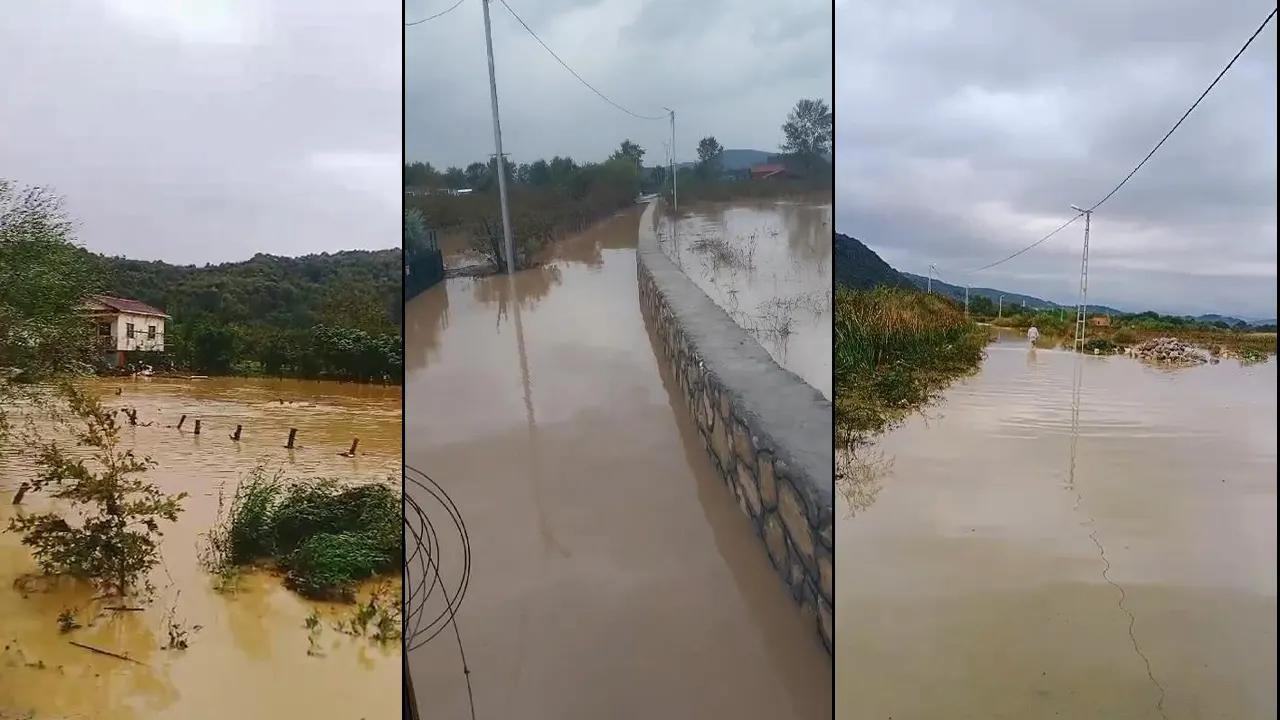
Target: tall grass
(325, 535)
(895, 350)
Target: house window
(128, 330)
(104, 329)
(151, 332)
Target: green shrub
(326, 535)
(1099, 344)
(330, 564)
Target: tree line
(546, 198)
(806, 146)
(549, 197)
(330, 315)
(333, 315)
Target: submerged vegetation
(111, 538)
(894, 351)
(325, 536)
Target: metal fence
(423, 264)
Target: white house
(125, 326)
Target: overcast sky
(965, 130)
(729, 68)
(207, 132)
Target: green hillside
(859, 268)
(335, 315)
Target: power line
(1149, 155)
(1188, 112)
(574, 73)
(433, 17)
(1034, 244)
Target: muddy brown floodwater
(612, 574)
(767, 264)
(250, 657)
(1022, 560)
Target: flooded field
(1021, 560)
(249, 658)
(612, 574)
(767, 264)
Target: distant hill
(858, 267)
(743, 159)
(1010, 298)
(1233, 321)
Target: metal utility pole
(1082, 307)
(497, 142)
(675, 196)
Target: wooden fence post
(197, 426)
(236, 435)
(293, 432)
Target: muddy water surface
(612, 575)
(1005, 571)
(250, 657)
(774, 278)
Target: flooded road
(249, 658)
(612, 574)
(767, 264)
(1011, 566)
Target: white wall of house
(148, 332)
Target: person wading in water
(1033, 335)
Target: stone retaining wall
(768, 433)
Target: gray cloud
(964, 131)
(209, 134)
(730, 69)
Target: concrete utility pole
(1082, 308)
(1000, 308)
(929, 284)
(675, 196)
(497, 142)
(966, 300)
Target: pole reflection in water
(588, 513)
(1077, 381)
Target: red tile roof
(126, 305)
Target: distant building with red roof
(770, 170)
(125, 326)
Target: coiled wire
(433, 593)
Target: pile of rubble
(1170, 351)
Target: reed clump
(324, 535)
